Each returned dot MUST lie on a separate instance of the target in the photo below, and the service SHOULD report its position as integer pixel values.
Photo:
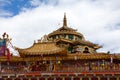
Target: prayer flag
(2, 47)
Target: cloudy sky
(28, 20)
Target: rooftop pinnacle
(64, 21)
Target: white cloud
(35, 2)
(43, 2)
(98, 20)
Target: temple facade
(64, 51)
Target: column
(108, 77)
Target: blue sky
(14, 7)
(29, 20)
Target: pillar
(118, 78)
(108, 77)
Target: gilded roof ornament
(44, 39)
(64, 20)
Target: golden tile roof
(12, 58)
(88, 43)
(93, 56)
(65, 32)
(80, 56)
(43, 48)
(65, 29)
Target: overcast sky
(28, 20)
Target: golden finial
(64, 21)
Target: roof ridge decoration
(43, 39)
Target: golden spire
(64, 21)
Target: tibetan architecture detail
(64, 51)
(44, 48)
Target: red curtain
(67, 78)
(1, 79)
(42, 78)
(113, 78)
(50, 78)
(33, 78)
(58, 78)
(85, 78)
(103, 78)
(94, 78)
(25, 79)
(9, 79)
(18, 79)
(76, 78)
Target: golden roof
(43, 48)
(88, 43)
(65, 29)
(12, 58)
(93, 56)
(79, 56)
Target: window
(63, 36)
(70, 49)
(80, 38)
(86, 50)
(70, 37)
(54, 37)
